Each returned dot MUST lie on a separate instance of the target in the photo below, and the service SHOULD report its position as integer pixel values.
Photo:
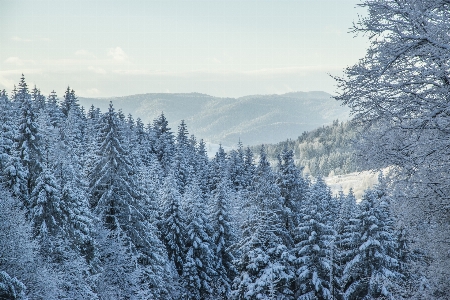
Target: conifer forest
(98, 205)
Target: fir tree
(198, 268)
(218, 169)
(313, 251)
(28, 137)
(70, 101)
(293, 188)
(223, 238)
(347, 238)
(249, 168)
(38, 99)
(172, 224)
(202, 167)
(236, 168)
(184, 156)
(54, 111)
(374, 269)
(164, 143)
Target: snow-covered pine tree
(218, 169)
(265, 266)
(249, 168)
(199, 263)
(202, 167)
(314, 237)
(373, 271)
(183, 157)
(293, 188)
(164, 143)
(28, 136)
(69, 102)
(172, 226)
(347, 238)
(45, 210)
(236, 167)
(323, 197)
(53, 110)
(38, 99)
(223, 239)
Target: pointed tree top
(111, 108)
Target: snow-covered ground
(213, 148)
(359, 181)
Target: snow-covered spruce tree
(249, 168)
(202, 166)
(172, 226)
(373, 272)
(38, 99)
(328, 204)
(223, 239)
(347, 238)
(28, 136)
(164, 143)
(149, 182)
(69, 102)
(45, 210)
(265, 265)
(313, 251)
(218, 169)
(118, 203)
(11, 169)
(12, 173)
(53, 110)
(67, 163)
(199, 262)
(184, 153)
(236, 167)
(93, 126)
(293, 188)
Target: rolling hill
(253, 119)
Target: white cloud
(6, 83)
(19, 39)
(92, 92)
(14, 60)
(96, 70)
(84, 53)
(117, 54)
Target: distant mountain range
(253, 119)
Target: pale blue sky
(222, 48)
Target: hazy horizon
(220, 48)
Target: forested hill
(254, 119)
(327, 150)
